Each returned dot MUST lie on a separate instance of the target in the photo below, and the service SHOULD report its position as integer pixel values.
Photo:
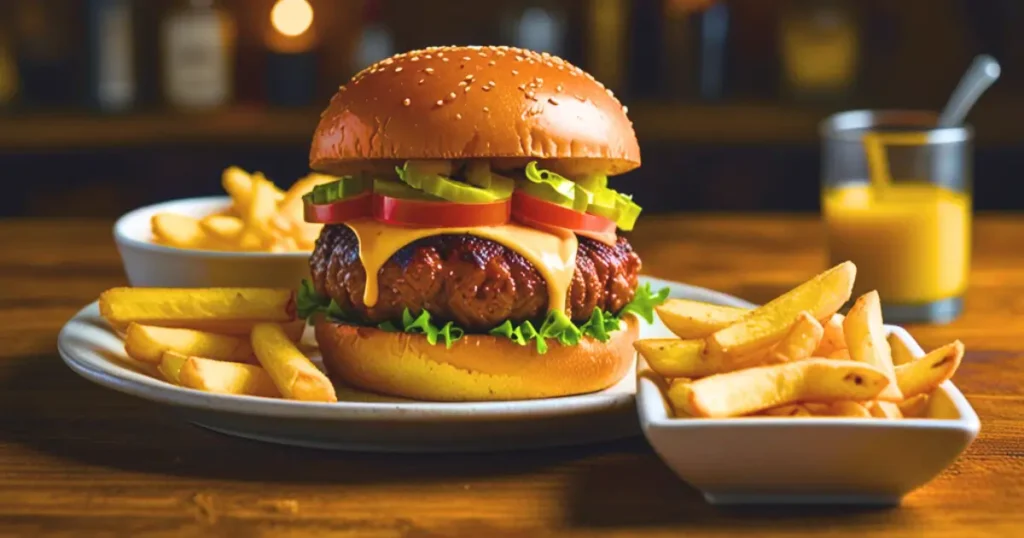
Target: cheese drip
(552, 252)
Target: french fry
(927, 373)
(292, 372)
(791, 410)
(840, 354)
(865, 338)
(170, 367)
(883, 409)
(694, 319)
(289, 219)
(755, 389)
(261, 209)
(239, 185)
(821, 296)
(222, 227)
(223, 377)
(179, 231)
(847, 409)
(148, 344)
(833, 338)
(801, 341)
(212, 309)
(901, 354)
(915, 406)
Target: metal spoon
(984, 70)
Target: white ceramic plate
(808, 460)
(363, 422)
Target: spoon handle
(984, 70)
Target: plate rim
(123, 379)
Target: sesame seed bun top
(505, 104)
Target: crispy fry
(865, 338)
(791, 410)
(224, 228)
(148, 344)
(840, 354)
(289, 219)
(883, 409)
(197, 308)
(294, 375)
(239, 185)
(170, 367)
(756, 389)
(223, 377)
(915, 406)
(801, 341)
(262, 208)
(901, 354)
(179, 231)
(694, 319)
(821, 296)
(833, 339)
(927, 373)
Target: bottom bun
(476, 367)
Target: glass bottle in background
(376, 40)
(8, 69)
(606, 46)
(197, 42)
(112, 80)
(714, 37)
(539, 27)
(820, 49)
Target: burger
(470, 247)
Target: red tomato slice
(428, 214)
(532, 210)
(335, 212)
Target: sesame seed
(407, 101)
(440, 102)
(558, 88)
(469, 77)
(546, 54)
(514, 72)
(341, 88)
(465, 58)
(444, 60)
(519, 58)
(561, 68)
(462, 83)
(414, 59)
(610, 93)
(388, 61)
(467, 88)
(522, 86)
(482, 54)
(492, 62)
(458, 116)
(427, 56)
(540, 80)
(500, 53)
(485, 88)
(452, 95)
(440, 54)
(420, 82)
(552, 100)
(486, 109)
(398, 69)
(530, 61)
(491, 83)
(530, 94)
(625, 109)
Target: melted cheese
(608, 238)
(552, 252)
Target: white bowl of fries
(792, 402)
(255, 237)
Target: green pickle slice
(549, 186)
(423, 175)
(479, 174)
(396, 189)
(344, 187)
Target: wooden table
(80, 460)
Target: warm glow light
(291, 17)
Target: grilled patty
(475, 282)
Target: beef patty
(475, 282)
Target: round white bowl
(148, 264)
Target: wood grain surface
(80, 460)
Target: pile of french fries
(241, 341)
(262, 218)
(795, 356)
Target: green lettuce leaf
(644, 301)
(509, 331)
(421, 324)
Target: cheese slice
(552, 252)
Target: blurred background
(106, 105)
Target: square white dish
(817, 460)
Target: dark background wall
(721, 124)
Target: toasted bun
(475, 368)
(501, 103)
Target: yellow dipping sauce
(910, 240)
